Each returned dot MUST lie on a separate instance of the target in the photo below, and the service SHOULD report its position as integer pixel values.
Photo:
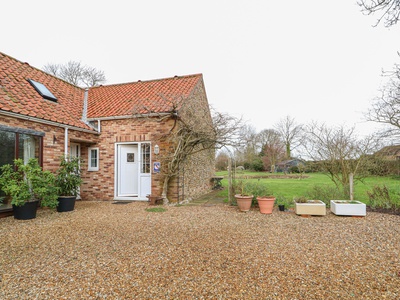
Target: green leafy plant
(282, 200)
(69, 176)
(261, 190)
(28, 182)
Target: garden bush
(381, 197)
(325, 193)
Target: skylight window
(42, 90)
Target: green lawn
(291, 188)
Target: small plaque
(156, 167)
(130, 157)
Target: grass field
(293, 187)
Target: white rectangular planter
(312, 208)
(348, 208)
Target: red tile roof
(142, 97)
(19, 96)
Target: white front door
(128, 169)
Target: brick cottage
(116, 129)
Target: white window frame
(90, 168)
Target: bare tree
(76, 73)
(194, 130)
(386, 107)
(291, 133)
(273, 148)
(340, 152)
(247, 146)
(389, 10)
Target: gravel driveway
(107, 251)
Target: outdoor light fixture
(156, 149)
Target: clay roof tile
(19, 96)
(141, 97)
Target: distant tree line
(76, 73)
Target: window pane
(42, 90)
(7, 146)
(93, 158)
(28, 147)
(145, 158)
(7, 154)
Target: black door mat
(121, 202)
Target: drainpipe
(66, 142)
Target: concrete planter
(348, 208)
(311, 207)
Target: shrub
(257, 165)
(300, 199)
(69, 176)
(381, 197)
(28, 182)
(325, 193)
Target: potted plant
(309, 207)
(154, 200)
(68, 180)
(243, 195)
(282, 201)
(28, 186)
(264, 197)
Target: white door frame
(78, 148)
(143, 180)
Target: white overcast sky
(261, 59)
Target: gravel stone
(106, 251)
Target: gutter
(41, 121)
(129, 116)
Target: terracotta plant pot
(244, 202)
(266, 204)
(154, 200)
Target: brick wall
(53, 140)
(99, 185)
(196, 171)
